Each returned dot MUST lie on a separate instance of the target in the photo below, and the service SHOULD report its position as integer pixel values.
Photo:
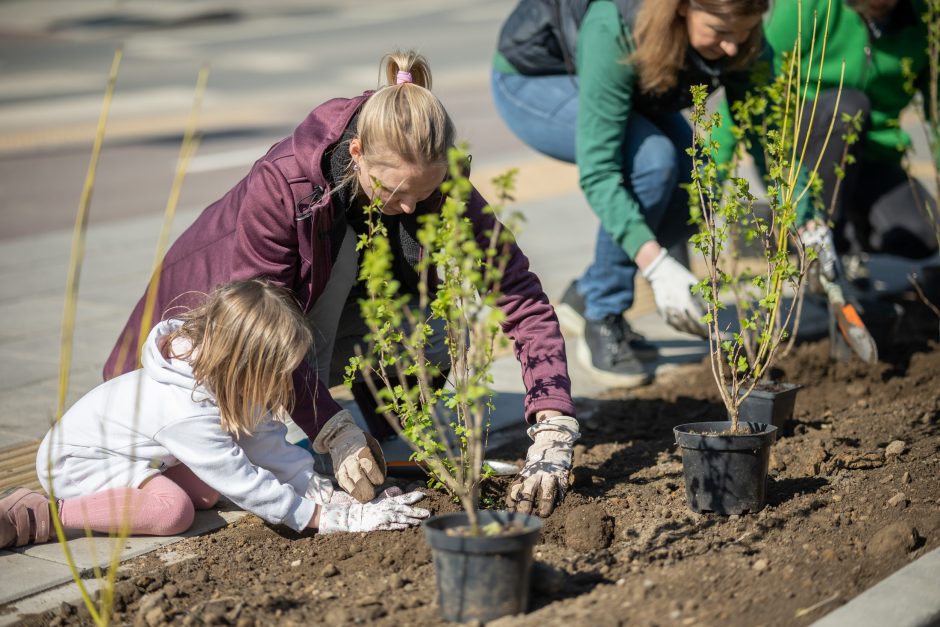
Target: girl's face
(401, 186)
(715, 37)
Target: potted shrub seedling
(482, 558)
(725, 462)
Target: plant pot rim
(788, 388)
(713, 436)
(435, 532)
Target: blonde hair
(245, 342)
(662, 38)
(405, 121)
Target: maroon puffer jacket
(275, 223)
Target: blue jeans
(543, 110)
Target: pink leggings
(165, 506)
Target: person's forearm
(547, 413)
(647, 253)
(315, 519)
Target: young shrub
(723, 207)
(459, 285)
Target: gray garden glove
(358, 462)
(390, 510)
(672, 289)
(544, 477)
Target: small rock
(906, 477)
(329, 570)
(895, 448)
(856, 389)
(337, 616)
(898, 499)
(395, 581)
(897, 538)
(156, 616)
(837, 497)
(760, 565)
(295, 563)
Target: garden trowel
(844, 317)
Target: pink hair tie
(403, 77)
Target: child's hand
(320, 489)
(390, 510)
(357, 457)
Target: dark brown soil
(853, 496)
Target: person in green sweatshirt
(876, 208)
(602, 84)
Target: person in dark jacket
(601, 84)
(293, 220)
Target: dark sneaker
(571, 316)
(610, 351)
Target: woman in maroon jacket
(293, 220)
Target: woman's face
(400, 186)
(715, 37)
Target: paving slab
(908, 598)
(29, 570)
(22, 576)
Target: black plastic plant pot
(482, 577)
(725, 473)
(770, 403)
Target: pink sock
(160, 508)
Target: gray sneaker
(571, 316)
(607, 351)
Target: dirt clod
(588, 528)
(897, 538)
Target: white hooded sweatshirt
(103, 442)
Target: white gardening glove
(390, 510)
(358, 462)
(320, 489)
(672, 283)
(544, 477)
(825, 271)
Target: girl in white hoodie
(199, 419)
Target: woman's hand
(543, 479)
(358, 462)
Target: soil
(853, 496)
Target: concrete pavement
(559, 240)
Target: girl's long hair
(662, 39)
(245, 342)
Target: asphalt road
(270, 63)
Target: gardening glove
(544, 477)
(672, 290)
(390, 510)
(358, 462)
(825, 271)
(320, 489)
